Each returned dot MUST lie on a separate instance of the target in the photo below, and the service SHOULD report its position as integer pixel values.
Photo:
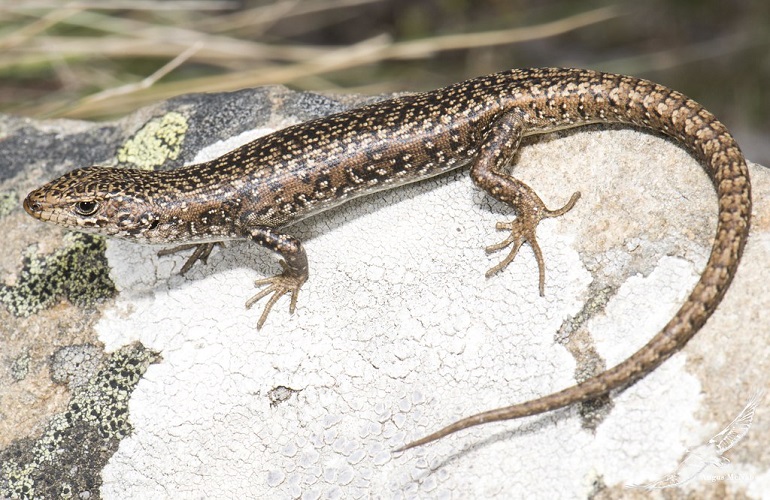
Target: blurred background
(102, 59)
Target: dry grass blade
(669, 58)
(371, 51)
(214, 50)
(423, 48)
(156, 40)
(150, 80)
(269, 14)
(149, 5)
(36, 27)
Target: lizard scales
(257, 189)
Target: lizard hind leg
(523, 230)
(496, 153)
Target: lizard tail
(707, 139)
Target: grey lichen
(20, 366)
(8, 201)
(75, 364)
(78, 271)
(67, 459)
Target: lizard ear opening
(86, 208)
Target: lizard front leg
(201, 253)
(497, 151)
(294, 264)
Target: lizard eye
(86, 207)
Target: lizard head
(101, 200)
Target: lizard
(256, 190)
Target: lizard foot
(523, 231)
(201, 253)
(278, 285)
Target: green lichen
(66, 460)
(77, 271)
(159, 140)
(8, 201)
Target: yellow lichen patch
(159, 140)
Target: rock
(396, 333)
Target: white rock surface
(398, 333)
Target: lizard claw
(520, 233)
(201, 253)
(523, 231)
(278, 285)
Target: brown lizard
(256, 190)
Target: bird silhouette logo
(710, 453)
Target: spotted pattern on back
(307, 168)
(255, 189)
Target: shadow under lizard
(256, 190)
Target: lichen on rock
(78, 271)
(83, 437)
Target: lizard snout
(32, 206)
